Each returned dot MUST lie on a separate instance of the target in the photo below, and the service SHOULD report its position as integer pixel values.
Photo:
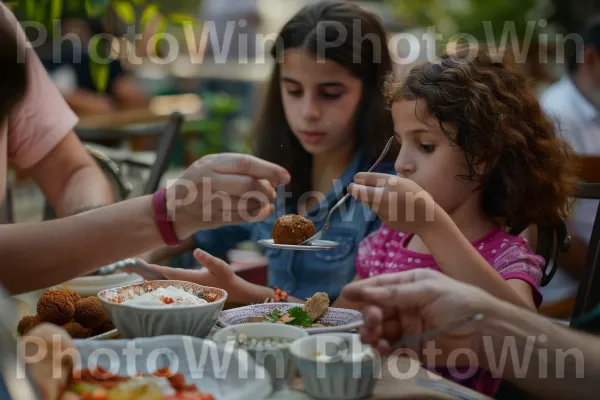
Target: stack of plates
(92, 285)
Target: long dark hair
(368, 60)
(12, 67)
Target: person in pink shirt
(477, 157)
(36, 133)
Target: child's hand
(217, 273)
(400, 203)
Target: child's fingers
(370, 196)
(215, 265)
(375, 179)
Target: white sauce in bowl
(165, 297)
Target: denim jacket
(302, 273)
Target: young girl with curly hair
(477, 157)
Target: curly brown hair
(490, 111)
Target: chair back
(164, 151)
(6, 207)
(588, 294)
(551, 240)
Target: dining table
(400, 378)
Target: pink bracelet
(161, 217)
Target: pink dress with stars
(384, 251)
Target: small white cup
(277, 362)
(336, 366)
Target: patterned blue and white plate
(336, 319)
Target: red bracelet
(161, 217)
(280, 296)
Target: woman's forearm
(58, 250)
(458, 259)
(539, 356)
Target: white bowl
(278, 362)
(133, 321)
(337, 374)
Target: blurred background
(124, 103)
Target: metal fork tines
(131, 264)
(319, 235)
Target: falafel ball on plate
(56, 306)
(292, 229)
(27, 323)
(76, 331)
(71, 293)
(90, 313)
(106, 326)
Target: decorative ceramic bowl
(277, 360)
(133, 321)
(336, 366)
(336, 319)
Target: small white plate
(112, 334)
(92, 285)
(336, 319)
(317, 245)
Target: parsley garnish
(301, 317)
(273, 317)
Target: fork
(403, 341)
(321, 233)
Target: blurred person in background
(68, 63)
(573, 102)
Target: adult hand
(223, 189)
(52, 349)
(217, 273)
(399, 202)
(416, 301)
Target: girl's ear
(480, 168)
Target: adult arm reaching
(213, 192)
(546, 360)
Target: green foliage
(467, 16)
(133, 12)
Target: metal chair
(588, 295)
(6, 208)
(112, 168)
(551, 240)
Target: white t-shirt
(578, 123)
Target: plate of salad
(315, 315)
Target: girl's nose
(403, 165)
(310, 109)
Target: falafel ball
(317, 306)
(90, 313)
(56, 306)
(105, 327)
(27, 323)
(72, 294)
(76, 331)
(292, 229)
